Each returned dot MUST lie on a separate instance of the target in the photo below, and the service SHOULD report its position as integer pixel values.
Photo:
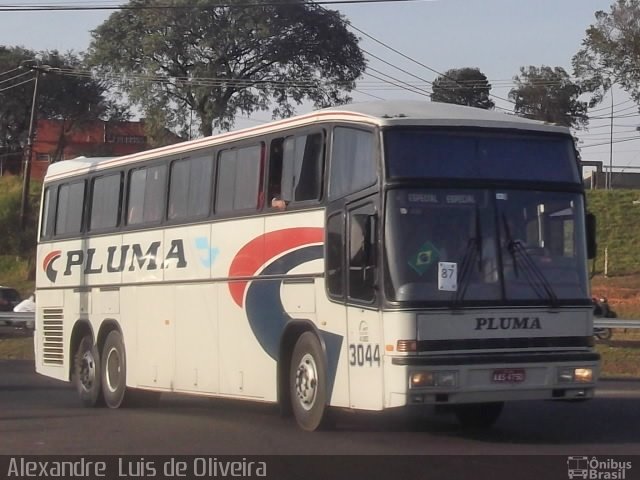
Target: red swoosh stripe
(50, 258)
(260, 250)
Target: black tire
(114, 370)
(604, 333)
(87, 375)
(308, 383)
(478, 415)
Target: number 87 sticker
(448, 276)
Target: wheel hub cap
(307, 382)
(87, 370)
(113, 370)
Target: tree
(220, 61)
(549, 94)
(64, 94)
(463, 86)
(15, 99)
(86, 97)
(610, 52)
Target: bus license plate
(508, 375)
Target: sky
(496, 36)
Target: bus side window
(362, 253)
(335, 255)
(48, 213)
(238, 184)
(105, 202)
(146, 195)
(296, 169)
(70, 208)
(190, 187)
(353, 164)
(274, 187)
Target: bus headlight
(583, 375)
(421, 379)
(575, 375)
(425, 378)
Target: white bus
(371, 256)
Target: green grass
(619, 361)
(618, 229)
(16, 348)
(14, 272)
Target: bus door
(364, 326)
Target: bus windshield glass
(485, 246)
(464, 154)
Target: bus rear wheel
(87, 374)
(478, 415)
(307, 383)
(114, 370)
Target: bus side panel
(245, 368)
(332, 322)
(196, 341)
(365, 357)
(148, 310)
(60, 266)
(189, 255)
(148, 328)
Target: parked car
(9, 298)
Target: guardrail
(602, 322)
(18, 317)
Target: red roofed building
(95, 139)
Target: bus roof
(380, 113)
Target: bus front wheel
(87, 373)
(307, 382)
(114, 370)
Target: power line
(16, 85)
(609, 143)
(9, 71)
(398, 52)
(368, 94)
(607, 134)
(14, 77)
(400, 69)
(609, 107)
(419, 91)
(619, 125)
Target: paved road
(42, 416)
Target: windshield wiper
(472, 251)
(531, 272)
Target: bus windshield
(485, 246)
(425, 153)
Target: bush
(17, 246)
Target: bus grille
(52, 337)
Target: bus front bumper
(493, 377)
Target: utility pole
(611, 145)
(24, 207)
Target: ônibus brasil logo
(119, 258)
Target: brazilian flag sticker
(426, 256)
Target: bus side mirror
(592, 246)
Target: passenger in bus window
(275, 175)
(278, 203)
